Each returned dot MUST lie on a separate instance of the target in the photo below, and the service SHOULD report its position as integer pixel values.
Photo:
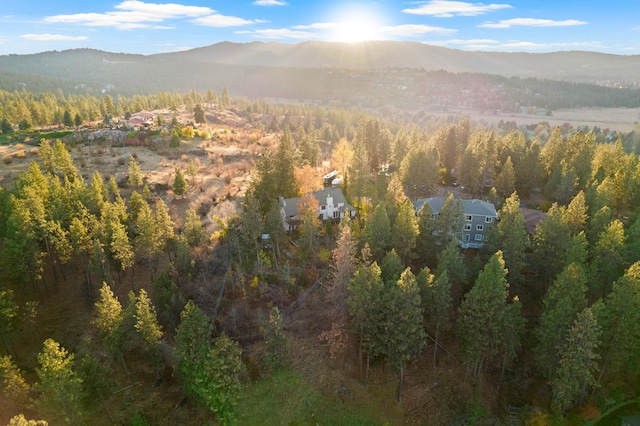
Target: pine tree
(377, 232)
(619, 318)
(179, 184)
(405, 231)
(146, 323)
(577, 362)
(509, 234)
(506, 180)
(135, 176)
(198, 114)
(223, 371)
(402, 332)
(193, 229)
(561, 304)
(482, 314)
(191, 348)
(276, 341)
(437, 306)
(60, 387)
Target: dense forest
(131, 302)
(86, 72)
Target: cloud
(514, 45)
(448, 9)
(269, 3)
(410, 30)
(221, 21)
(53, 37)
(531, 22)
(316, 26)
(135, 14)
(279, 34)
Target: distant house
(142, 119)
(633, 420)
(332, 205)
(479, 216)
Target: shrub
(7, 159)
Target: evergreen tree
(436, 308)
(14, 386)
(179, 184)
(577, 362)
(402, 332)
(174, 138)
(509, 234)
(5, 126)
(221, 384)
(67, 120)
(135, 175)
(619, 318)
(506, 180)
(561, 304)
(146, 323)
(276, 341)
(482, 314)
(198, 114)
(377, 232)
(193, 229)
(60, 388)
(449, 221)
(405, 231)
(191, 348)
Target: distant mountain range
(371, 74)
(572, 65)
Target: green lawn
(286, 398)
(613, 418)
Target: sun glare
(356, 24)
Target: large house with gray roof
(332, 205)
(479, 216)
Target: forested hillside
(137, 286)
(459, 83)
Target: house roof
(532, 218)
(473, 207)
(290, 205)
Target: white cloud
(135, 14)
(316, 26)
(163, 11)
(53, 37)
(410, 30)
(531, 22)
(448, 9)
(279, 34)
(221, 21)
(269, 3)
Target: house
(332, 205)
(479, 216)
(633, 420)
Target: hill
(369, 74)
(573, 65)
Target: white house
(332, 205)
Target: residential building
(332, 205)
(479, 216)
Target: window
(336, 214)
(480, 228)
(468, 217)
(467, 227)
(465, 237)
(432, 216)
(323, 207)
(478, 237)
(488, 219)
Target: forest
(130, 301)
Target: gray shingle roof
(473, 207)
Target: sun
(355, 24)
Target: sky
(148, 27)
